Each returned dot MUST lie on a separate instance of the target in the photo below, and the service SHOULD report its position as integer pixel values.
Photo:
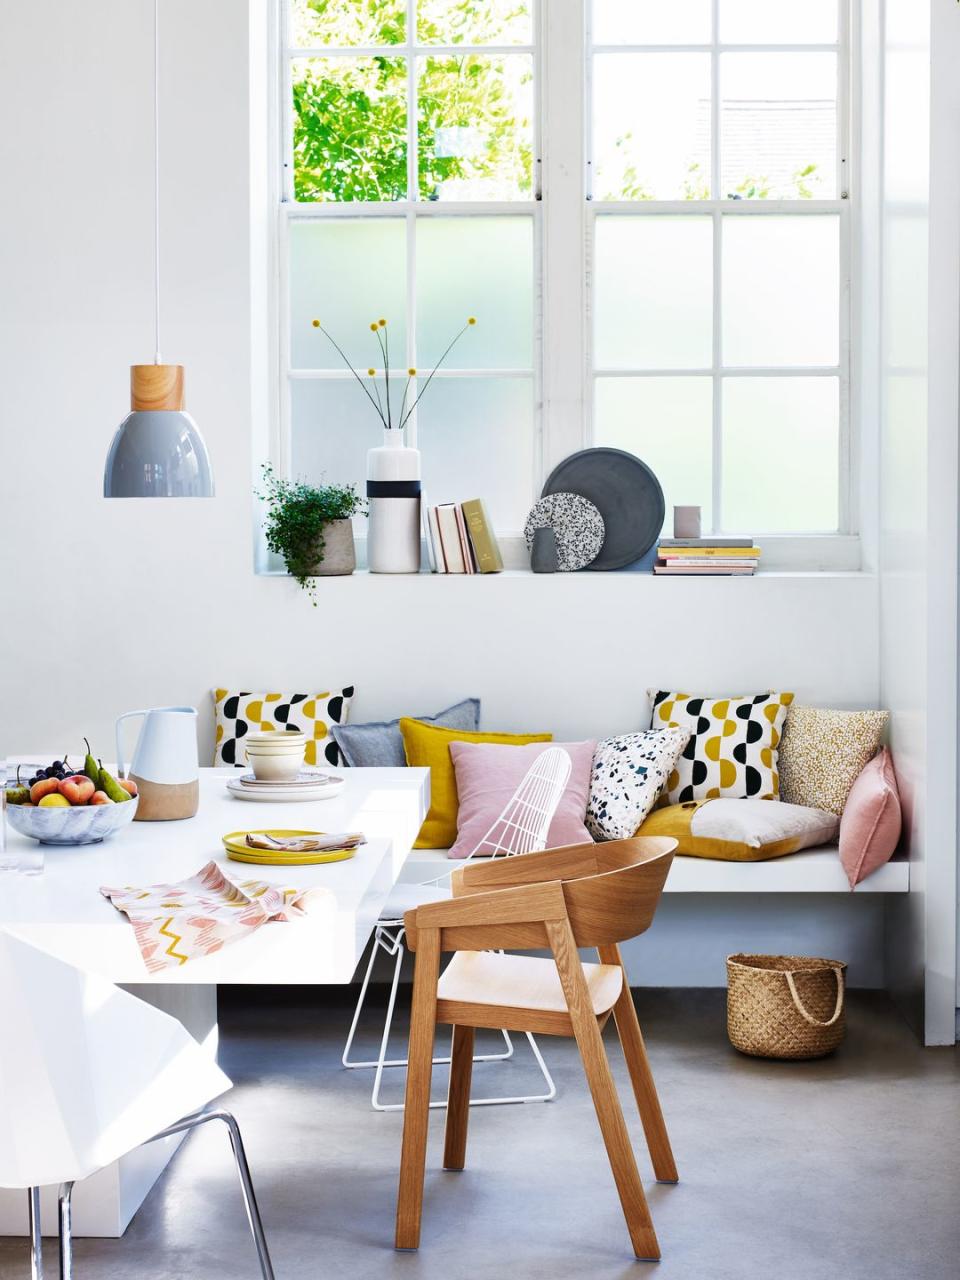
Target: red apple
(45, 787)
(101, 797)
(128, 784)
(77, 788)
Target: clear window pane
(668, 423)
(653, 289)
(778, 126)
(476, 437)
(346, 273)
(476, 127)
(347, 22)
(651, 21)
(781, 292)
(651, 126)
(349, 128)
(332, 427)
(781, 450)
(468, 22)
(778, 21)
(481, 267)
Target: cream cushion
(523, 982)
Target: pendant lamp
(158, 451)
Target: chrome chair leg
(65, 1216)
(36, 1234)
(243, 1169)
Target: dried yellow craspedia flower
(372, 373)
(412, 373)
(471, 319)
(373, 326)
(316, 324)
(381, 323)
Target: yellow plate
(239, 851)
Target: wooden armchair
(562, 899)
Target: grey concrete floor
(844, 1168)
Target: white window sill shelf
(585, 575)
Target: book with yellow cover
(482, 538)
(749, 553)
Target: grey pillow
(380, 743)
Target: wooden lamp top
(156, 386)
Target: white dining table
(63, 912)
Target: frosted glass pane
(651, 21)
(653, 289)
(490, 22)
(476, 127)
(778, 125)
(780, 471)
(668, 423)
(349, 128)
(781, 299)
(346, 273)
(480, 267)
(318, 22)
(778, 21)
(651, 126)
(331, 426)
(476, 437)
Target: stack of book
(460, 538)
(719, 557)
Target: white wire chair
(521, 828)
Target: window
(410, 184)
(680, 290)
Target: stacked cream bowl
(275, 757)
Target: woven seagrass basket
(785, 1006)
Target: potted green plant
(309, 526)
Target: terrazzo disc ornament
(577, 524)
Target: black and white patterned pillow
(312, 713)
(629, 773)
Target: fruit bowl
(74, 824)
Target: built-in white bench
(800, 904)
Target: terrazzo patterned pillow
(733, 744)
(824, 752)
(628, 775)
(312, 713)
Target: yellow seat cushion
(428, 745)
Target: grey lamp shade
(158, 453)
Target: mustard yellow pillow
(428, 745)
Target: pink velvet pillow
(870, 826)
(488, 774)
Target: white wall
(125, 604)
(918, 484)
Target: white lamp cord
(156, 180)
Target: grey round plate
(625, 492)
(577, 524)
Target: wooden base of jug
(166, 802)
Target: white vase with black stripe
(393, 498)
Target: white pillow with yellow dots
(312, 713)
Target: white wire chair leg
(392, 943)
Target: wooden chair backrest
(611, 890)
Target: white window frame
(564, 218)
(410, 210)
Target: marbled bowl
(80, 824)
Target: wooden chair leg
(606, 1103)
(416, 1114)
(641, 1077)
(458, 1098)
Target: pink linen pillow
(489, 773)
(870, 825)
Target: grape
(57, 764)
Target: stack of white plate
(309, 784)
(277, 756)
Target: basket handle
(815, 1022)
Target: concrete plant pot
(339, 554)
